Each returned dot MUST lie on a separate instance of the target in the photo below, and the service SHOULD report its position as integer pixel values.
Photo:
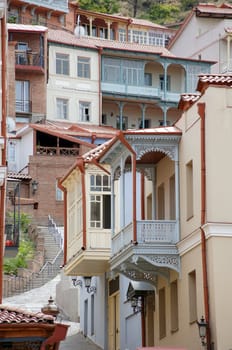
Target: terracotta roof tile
(187, 100)
(9, 314)
(64, 37)
(19, 176)
(214, 79)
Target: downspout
(99, 85)
(134, 195)
(143, 324)
(201, 112)
(142, 197)
(64, 190)
(3, 133)
(134, 198)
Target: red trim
(58, 335)
(201, 111)
(80, 164)
(134, 198)
(3, 133)
(142, 197)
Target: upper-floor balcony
(55, 5)
(153, 251)
(94, 258)
(141, 91)
(29, 61)
(145, 203)
(57, 151)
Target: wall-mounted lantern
(202, 326)
(87, 284)
(34, 186)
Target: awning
(136, 289)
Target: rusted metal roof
(9, 314)
(64, 37)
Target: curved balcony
(154, 251)
(91, 260)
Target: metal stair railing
(19, 284)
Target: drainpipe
(99, 84)
(143, 322)
(133, 156)
(64, 190)
(201, 112)
(3, 133)
(142, 196)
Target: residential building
(46, 152)
(208, 29)
(108, 82)
(170, 227)
(3, 133)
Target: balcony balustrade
(23, 106)
(130, 90)
(57, 151)
(149, 232)
(143, 91)
(27, 58)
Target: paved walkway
(35, 299)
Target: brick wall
(46, 170)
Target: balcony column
(228, 53)
(108, 29)
(112, 205)
(165, 82)
(121, 105)
(90, 26)
(143, 107)
(153, 174)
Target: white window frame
(84, 110)
(100, 186)
(62, 108)
(83, 67)
(62, 63)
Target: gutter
(3, 133)
(201, 112)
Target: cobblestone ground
(35, 299)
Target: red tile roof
(9, 314)
(213, 79)
(18, 176)
(64, 37)
(187, 100)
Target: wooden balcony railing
(57, 151)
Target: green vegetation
(26, 248)
(163, 12)
(103, 6)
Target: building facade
(169, 237)
(208, 28)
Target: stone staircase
(52, 238)
(53, 257)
